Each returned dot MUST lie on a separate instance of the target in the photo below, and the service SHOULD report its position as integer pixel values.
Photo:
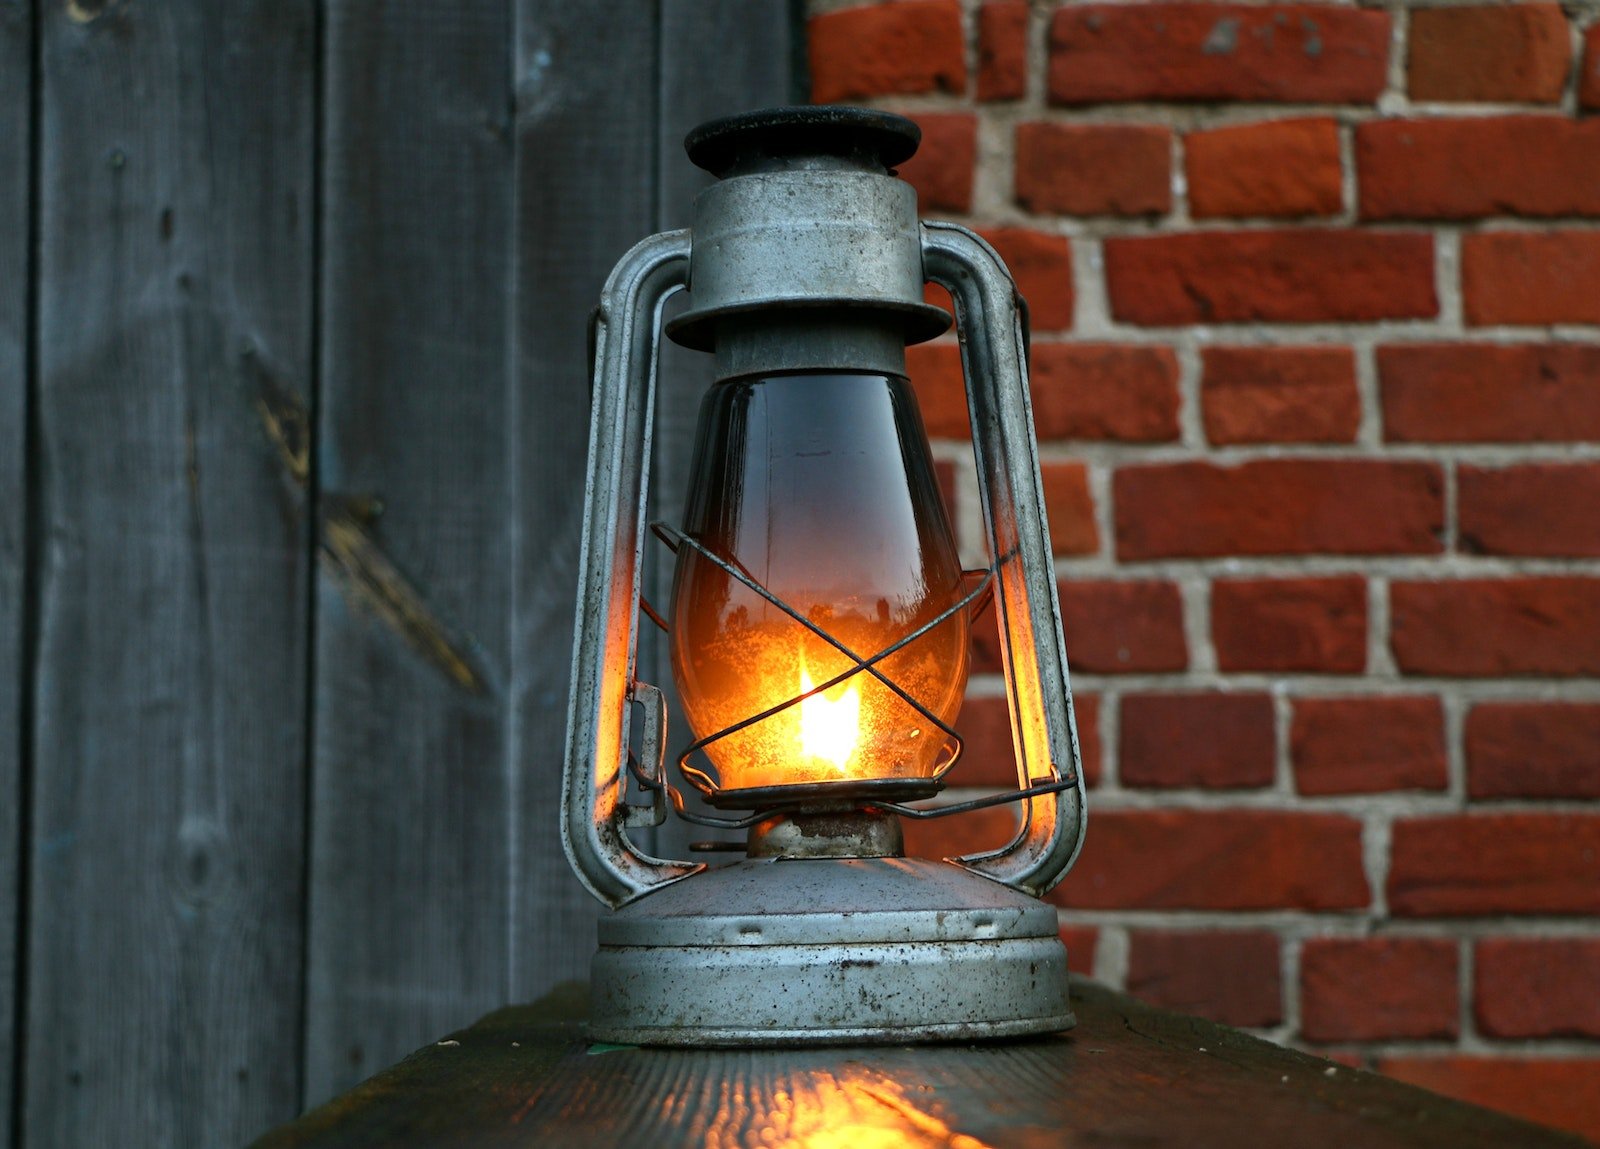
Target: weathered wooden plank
(703, 75)
(16, 91)
(585, 186)
(174, 335)
(410, 826)
(1129, 1075)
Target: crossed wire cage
(873, 793)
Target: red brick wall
(1317, 384)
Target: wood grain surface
(293, 419)
(16, 138)
(1129, 1075)
(174, 342)
(410, 878)
(586, 109)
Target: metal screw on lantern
(819, 621)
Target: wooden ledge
(1128, 1075)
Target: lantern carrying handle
(593, 812)
(1033, 653)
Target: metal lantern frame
(791, 244)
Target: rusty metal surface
(1128, 1075)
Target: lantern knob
(775, 138)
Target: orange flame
(830, 728)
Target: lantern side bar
(592, 814)
(1034, 654)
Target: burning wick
(830, 727)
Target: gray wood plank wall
(293, 409)
(174, 317)
(409, 880)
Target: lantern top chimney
(776, 139)
(806, 222)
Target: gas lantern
(819, 621)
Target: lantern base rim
(829, 951)
(733, 1038)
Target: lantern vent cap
(806, 216)
(778, 138)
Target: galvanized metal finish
(811, 340)
(787, 946)
(808, 239)
(592, 812)
(847, 833)
(826, 951)
(1034, 654)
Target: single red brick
(1373, 989)
(1496, 627)
(974, 832)
(882, 49)
(1042, 266)
(1293, 276)
(935, 373)
(1295, 53)
(1589, 75)
(1211, 740)
(989, 757)
(1367, 745)
(1003, 50)
(1105, 391)
(1480, 166)
(1080, 391)
(1524, 277)
(1086, 717)
(941, 171)
(1232, 977)
(1538, 987)
(1533, 750)
(1070, 508)
(1562, 1092)
(1546, 509)
(1279, 394)
(1470, 864)
(1516, 53)
(1313, 624)
(1478, 393)
(1279, 168)
(1278, 506)
(1094, 169)
(1080, 942)
(1218, 860)
(1130, 627)
(1123, 627)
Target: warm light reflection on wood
(852, 1110)
(830, 722)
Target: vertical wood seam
(311, 537)
(799, 53)
(514, 660)
(32, 559)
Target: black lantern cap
(874, 140)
